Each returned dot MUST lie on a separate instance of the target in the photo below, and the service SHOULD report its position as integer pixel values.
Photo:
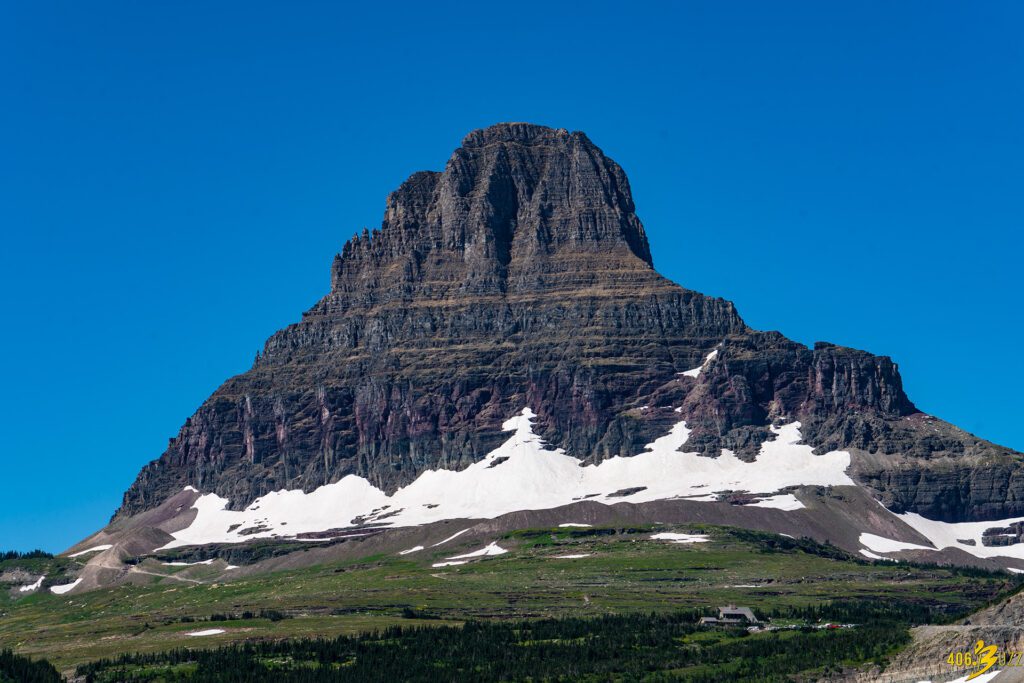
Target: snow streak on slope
(488, 551)
(524, 474)
(66, 588)
(785, 501)
(94, 549)
(32, 586)
(681, 538)
(887, 545)
(450, 538)
(871, 556)
(697, 370)
(965, 536)
(207, 632)
(951, 535)
(492, 549)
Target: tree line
(30, 555)
(628, 647)
(18, 669)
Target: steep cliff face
(521, 276)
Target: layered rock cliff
(521, 276)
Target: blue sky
(176, 177)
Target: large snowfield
(966, 536)
(525, 474)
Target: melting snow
(1015, 570)
(950, 534)
(983, 678)
(531, 477)
(886, 545)
(94, 549)
(187, 564)
(61, 590)
(492, 549)
(681, 538)
(786, 501)
(871, 555)
(450, 538)
(32, 586)
(572, 557)
(207, 632)
(415, 549)
(696, 371)
(569, 524)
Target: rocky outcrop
(521, 276)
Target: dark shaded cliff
(521, 276)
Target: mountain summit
(516, 204)
(520, 278)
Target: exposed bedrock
(521, 276)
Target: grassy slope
(627, 572)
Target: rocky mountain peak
(519, 133)
(518, 208)
(520, 277)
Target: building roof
(734, 612)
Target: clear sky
(175, 178)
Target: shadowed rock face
(521, 276)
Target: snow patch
(696, 371)
(187, 564)
(571, 524)
(489, 551)
(983, 678)
(415, 549)
(1014, 570)
(681, 538)
(97, 548)
(886, 545)
(951, 534)
(207, 632)
(785, 501)
(572, 557)
(532, 476)
(450, 538)
(942, 535)
(870, 555)
(61, 590)
(32, 586)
